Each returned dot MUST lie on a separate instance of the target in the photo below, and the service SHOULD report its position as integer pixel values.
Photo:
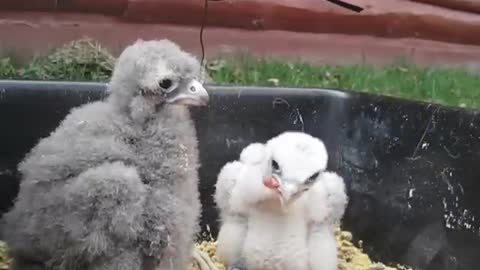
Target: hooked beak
(286, 191)
(191, 94)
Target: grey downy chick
(114, 187)
(291, 206)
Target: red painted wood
(37, 32)
(165, 11)
(116, 7)
(386, 18)
(38, 5)
(472, 6)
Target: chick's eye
(312, 178)
(165, 83)
(275, 166)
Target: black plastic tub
(412, 169)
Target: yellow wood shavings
(5, 261)
(209, 247)
(350, 256)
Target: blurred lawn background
(86, 60)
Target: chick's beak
(271, 182)
(287, 192)
(191, 94)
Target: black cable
(341, 3)
(346, 5)
(204, 22)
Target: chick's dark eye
(165, 83)
(275, 166)
(312, 178)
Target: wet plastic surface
(411, 168)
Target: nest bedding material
(350, 257)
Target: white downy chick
(291, 207)
(233, 212)
(326, 203)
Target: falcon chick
(232, 214)
(289, 205)
(114, 187)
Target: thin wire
(346, 5)
(205, 16)
(204, 22)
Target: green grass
(453, 87)
(86, 61)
